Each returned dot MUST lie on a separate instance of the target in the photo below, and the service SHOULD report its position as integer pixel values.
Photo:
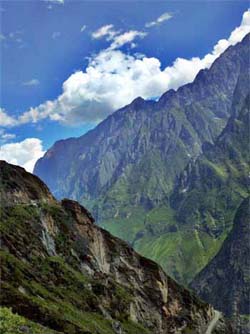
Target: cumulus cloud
(113, 79)
(32, 82)
(24, 153)
(164, 17)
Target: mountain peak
(20, 186)
(138, 102)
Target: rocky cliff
(225, 281)
(61, 271)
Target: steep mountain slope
(60, 270)
(151, 140)
(204, 201)
(125, 169)
(220, 174)
(225, 281)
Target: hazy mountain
(126, 168)
(225, 281)
(61, 271)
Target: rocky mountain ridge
(171, 130)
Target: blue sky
(88, 58)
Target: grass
(12, 323)
(182, 254)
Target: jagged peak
(137, 102)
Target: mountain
(126, 169)
(225, 282)
(204, 201)
(60, 273)
(220, 175)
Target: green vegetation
(11, 323)
(127, 227)
(180, 249)
(51, 290)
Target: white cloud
(8, 136)
(164, 17)
(32, 82)
(127, 37)
(105, 31)
(5, 119)
(83, 28)
(113, 79)
(24, 153)
(59, 2)
(117, 38)
(56, 34)
(4, 136)
(2, 37)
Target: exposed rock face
(225, 281)
(125, 169)
(64, 272)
